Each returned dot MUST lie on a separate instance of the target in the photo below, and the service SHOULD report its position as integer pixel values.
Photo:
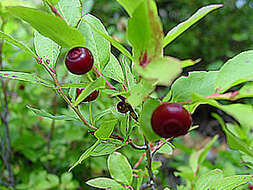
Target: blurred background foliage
(43, 150)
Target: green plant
(131, 78)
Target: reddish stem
(154, 149)
(107, 82)
(55, 11)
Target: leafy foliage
(40, 145)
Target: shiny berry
(79, 60)
(171, 120)
(91, 97)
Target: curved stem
(107, 82)
(137, 147)
(62, 94)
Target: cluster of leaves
(136, 75)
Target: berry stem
(77, 111)
(160, 144)
(107, 82)
(62, 94)
(54, 10)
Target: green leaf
(165, 149)
(119, 168)
(46, 49)
(246, 91)
(232, 182)
(124, 125)
(52, 2)
(74, 85)
(234, 142)
(99, 115)
(205, 150)
(97, 44)
(53, 180)
(247, 160)
(33, 78)
(105, 183)
(198, 82)
(85, 155)
(105, 130)
(70, 11)
(129, 5)
(115, 43)
(145, 119)
(99, 83)
(129, 77)
(140, 92)
(43, 113)
(189, 62)
(180, 28)
(241, 112)
(17, 43)
(113, 70)
(207, 180)
(50, 26)
(66, 177)
(235, 71)
(197, 158)
(105, 148)
(87, 6)
(144, 31)
(163, 70)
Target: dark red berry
(171, 120)
(21, 87)
(91, 97)
(122, 107)
(79, 60)
(250, 187)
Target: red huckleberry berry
(171, 120)
(79, 60)
(91, 97)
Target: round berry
(79, 60)
(91, 97)
(171, 120)
(21, 87)
(122, 107)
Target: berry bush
(99, 121)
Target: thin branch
(63, 95)
(4, 117)
(50, 133)
(160, 144)
(54, 10)
(149, 165)
(107, 82)
(93, 128)
(137, 147)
